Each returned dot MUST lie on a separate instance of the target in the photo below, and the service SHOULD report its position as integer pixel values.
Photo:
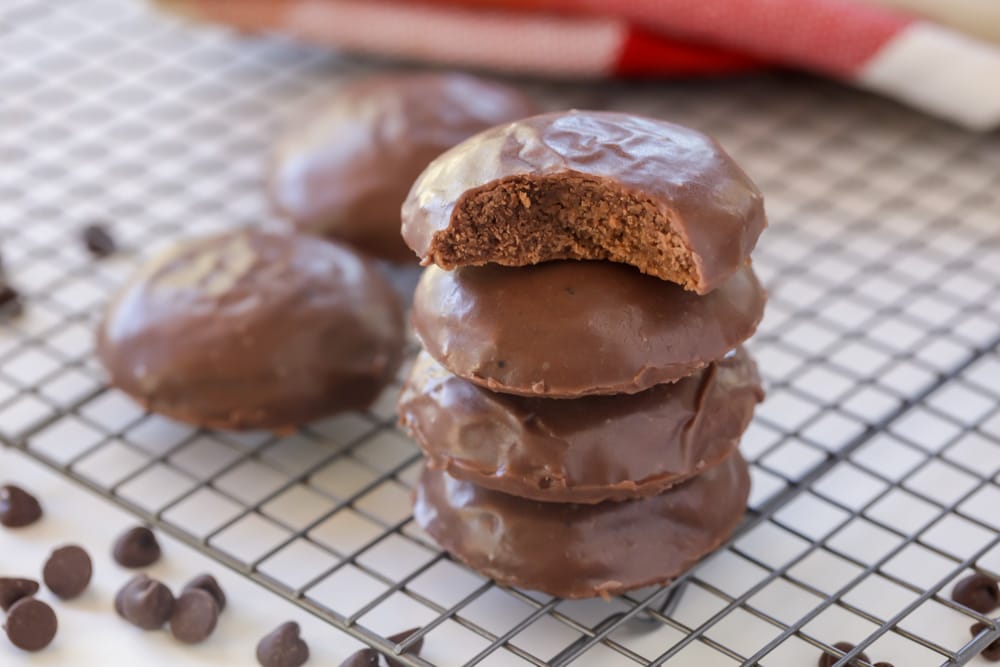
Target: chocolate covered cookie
(344, 171)
(588, 185)
(251, 329)
(585, 450)
(568, 329)
(578, 551)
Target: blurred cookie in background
(254, 330)
(344, 170)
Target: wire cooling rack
(874, 458)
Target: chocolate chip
(136, 547)
(413, 649)
(827, 660)
(145, 603)
(283, 647)
(883, 664)
(98, 240)
(18, 508)
(366, 657)
(67, 572)
(369, 657)
(13, 589)
(992, 651)
(10, 302)
(194, 618)
(207, 583)
(31, 625)
(978, 592)
(120, 599)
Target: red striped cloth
(932, 67)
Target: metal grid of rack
(875, 459)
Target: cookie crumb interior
(522, 220)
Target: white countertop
(90, 633)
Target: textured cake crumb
(523, 220)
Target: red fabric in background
(648, 54)
(932, 67)
(835, 37)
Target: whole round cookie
(251, 329)
(344, 171)
(587, 450)
(578, 551)
(567, 329)
(588, 185)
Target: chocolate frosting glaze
(586, 450)
(710, 203)
(345, 170)
(567, 329)
(251, 329)
(578, 551)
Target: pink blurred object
(932, 67)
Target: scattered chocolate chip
(98, 240)
(18, 508)
(31, 624)
(413, 649)
(207, 583)
(991, 652)
(194, 618)
(977, 591)
(283, 648)
(827, 660)
(145, 603)
(67, 572)
(13, 589)
(120, 599)
(136, 547)
(10, 302)
(366, 657)
(883, 664)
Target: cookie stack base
(580, 551)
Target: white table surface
(90, 633)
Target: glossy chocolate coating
(253, 330)
(577, 551)
(709, 201)
(568, 329)
(344, 171)
(585, 450)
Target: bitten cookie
(588, 185)
(578, 551)
(251, 329)
(344, 171)
(568, 329)
(587, 450)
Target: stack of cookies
(583, 391)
